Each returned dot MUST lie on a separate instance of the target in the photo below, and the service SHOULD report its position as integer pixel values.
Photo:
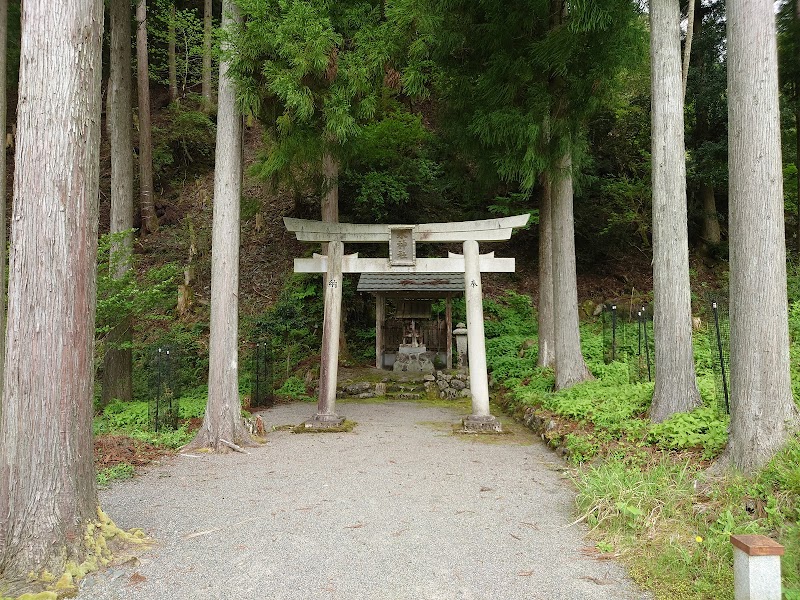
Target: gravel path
(400, 508)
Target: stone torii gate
(402, 240)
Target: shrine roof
(411, 282)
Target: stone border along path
(400, 508)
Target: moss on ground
(104, 544)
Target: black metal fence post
(646, 344)
(257, 396)
(614, 332)
(159, 375)
(721, 357)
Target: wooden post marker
(402, 240)
(756, 567)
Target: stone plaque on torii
(402, 240)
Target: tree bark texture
(3, 190)
(47, 479)
(570, 366)
(763, 412)
(797, 147)
(118, 359)
(687, 47)
(545, 311)
(207, 34)
(223, 419)
(676, 384)
(149, 218)
(712, 234)
(171, 59)
(330, 188)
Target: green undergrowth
(116, 473)
(644, 488)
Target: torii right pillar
(480, 420)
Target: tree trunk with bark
(547, 348)
(676, 384)
(687, 47)
(763, 413)
(712, 235)
(207, 34)
(171, 58)
(149, 218)
(3, 191)
(222, 424)
(118, 358)
(797, 149)
(47, 478)
(570, 366)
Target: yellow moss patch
(96, 538)
(66, 582)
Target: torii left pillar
(326, 416)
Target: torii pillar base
(320, 421)
(481, 424)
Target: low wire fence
(165, 386)
(628, 338)
(262, 376)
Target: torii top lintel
(402, 241)
(487, 230)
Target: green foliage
(701, 428)
(164, 438)
(183, 142)
(119, 415)
(188, 26)
(143, 299)
(390, 166)
(580, 448)
(504, 67)
(184, 370)
(117, 472)
(293, 325)
(295, 389)
(313, 72)
(616, 409)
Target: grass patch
(117, 472)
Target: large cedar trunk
(763, 413)
(547, 348)
(47, 479)
(3, 244)
(223, 419)
(206, 76)
(570, 366)
(117, 361)
(149, 218)
(676, 385)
